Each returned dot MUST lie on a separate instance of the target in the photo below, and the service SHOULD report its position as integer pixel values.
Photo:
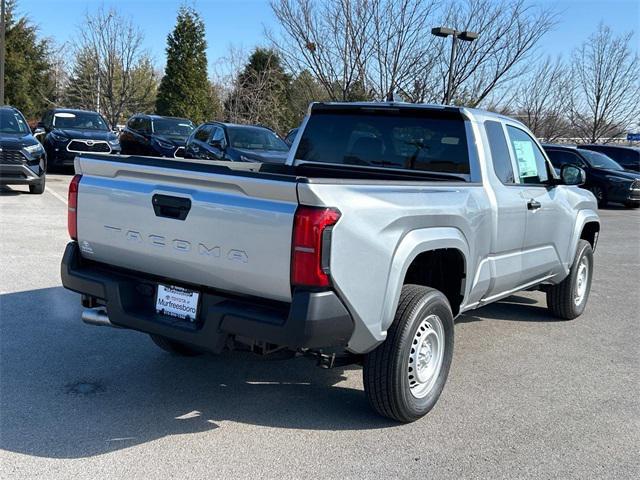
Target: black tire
(561, 298)
(387, 368)
(37, 188)
(174, 347)
(632, 204)
(601, 196)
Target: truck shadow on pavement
(68, 390)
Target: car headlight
(165, 145)
(58, 137)
(114, 143)
(33, 149)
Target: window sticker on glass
(526, 158)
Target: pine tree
(185, 90)
(29, 79)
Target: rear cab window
(416, 139)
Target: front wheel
(601, 196)
(568, 299)
(405, 375)
(38, 188)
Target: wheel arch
(419, 250)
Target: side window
(499, 152)
(134, 123)
(218, 135)
(48, 117)
(145, 125)
(559, 158)
(202, 134)
(532, 166)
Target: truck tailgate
(236, 235)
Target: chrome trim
(175, 153)
(86, 142)
(97, 316)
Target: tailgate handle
(171, 207)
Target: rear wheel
(632, 204)
(601, 195)
(174, 347)
(405, 375)
(38, 188)
(568, 299)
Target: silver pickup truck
(386, 222)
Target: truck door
(549, 218)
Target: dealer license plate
(177, 302)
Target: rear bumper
(312, 320)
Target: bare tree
(606, 100)
(543, 98)
(112, 72)
(327, 39)
(508, 34)
(377, 47)
(402, 48)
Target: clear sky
(242, 23)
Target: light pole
(465, 36)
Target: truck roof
(472, 113)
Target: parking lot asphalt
(527, 397)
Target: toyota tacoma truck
(387, 221)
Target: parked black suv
(236, 143)
(627, 157)
(65, 133)
(23, 161)
(155, 136)
(608, 181)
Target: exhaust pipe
(96, 316)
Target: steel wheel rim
(426, 356)
(582, 280)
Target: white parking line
(57, 195)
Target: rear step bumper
(312, 320)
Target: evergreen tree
(260, 92)
(185, 90)
(28, 77)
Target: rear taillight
(72, 205)
(309, 264)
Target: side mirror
(573, 175)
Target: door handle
(171, 207)
(533, 205)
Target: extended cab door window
(530, 161)
(499, 152)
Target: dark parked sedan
(22, 158)
(236, 143)
(155, 136)
(65, 133)
(608, 181)
(627, 157)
